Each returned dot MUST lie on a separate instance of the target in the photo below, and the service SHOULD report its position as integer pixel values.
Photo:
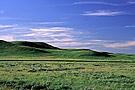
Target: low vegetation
(39, 66)
(37, 75)
(23, 50)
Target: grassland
(39, 66)
(22, 50)
(40, 75)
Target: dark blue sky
(103, 25)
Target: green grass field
(39, 66)
(41, 75)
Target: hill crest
(43, 50)
(34, 44)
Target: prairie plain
(46, 75)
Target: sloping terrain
(34, 44)
(24, 47)
(79, 53)
(41, 50)
(9, 49)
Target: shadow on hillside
(105, 54)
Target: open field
(39, 66)
(46, 75)
(67, 45)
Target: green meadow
(39, 66)
(41, 75)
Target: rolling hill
(10, 49)
(34, 44)
(41, 50)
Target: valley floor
(46, 75)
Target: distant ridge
(43, 50)
(13, 48)
(40, 48)
(34, 44)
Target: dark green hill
(79, 54)
(24, 48)
(34, 44)
(9, 49)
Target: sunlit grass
(67, 75)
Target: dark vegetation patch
(25, 85)
(104, 54)
(34, 44)
(55, 69)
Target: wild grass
(42, 75)
(39, 66)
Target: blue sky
(103, 25)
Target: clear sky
(103, 25)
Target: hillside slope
(78, 53)
(9, 49)
(24, 48)
(41, 45)
(40, 50)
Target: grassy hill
(34, 44)
(10, 49)
(40, 50)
